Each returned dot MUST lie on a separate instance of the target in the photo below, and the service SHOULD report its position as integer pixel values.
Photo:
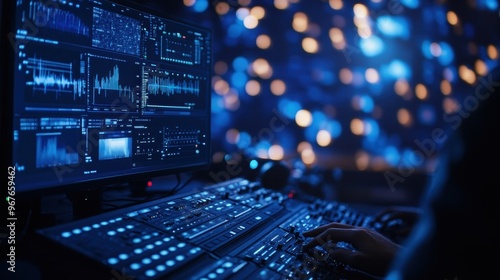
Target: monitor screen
(103, 91)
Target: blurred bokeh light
(339, 83)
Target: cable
(181, 186)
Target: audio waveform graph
(171, 91)
(115, 148)
(108, 92)
(50, 16)
(168, 86)
(52, 150)
(53, 82)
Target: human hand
(373, 253)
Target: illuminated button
(135, 266)
(161, 268)
(212, 275)
(118, 219)
(227, 264)
(120, 230)
(163, 252)
(195, 250)
(155, 233)
(123, 256)
(150, 246)
(136, 240)
(146, 237)
(219, 270)
(158, 243)
(172, 249)
(138, 251)
(170, 263)
(132, 214)
(113, 261)
(146, 261)
(111, 233)
(155, 257)
(66, 234)
(166, 239)
(112, 221)
(180, 258)
(104, 223)
(129, 226)
(96, 226)
(77, 231)
(86, 228)
(258, 218)
(181, 245)
(150, 273)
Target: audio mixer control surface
(232, 230)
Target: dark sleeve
(459, 228)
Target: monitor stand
(86, 203)
(139, 188)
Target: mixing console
(233, 230)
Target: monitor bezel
(7, 26)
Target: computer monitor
(98, 92)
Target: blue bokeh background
(364, 85)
